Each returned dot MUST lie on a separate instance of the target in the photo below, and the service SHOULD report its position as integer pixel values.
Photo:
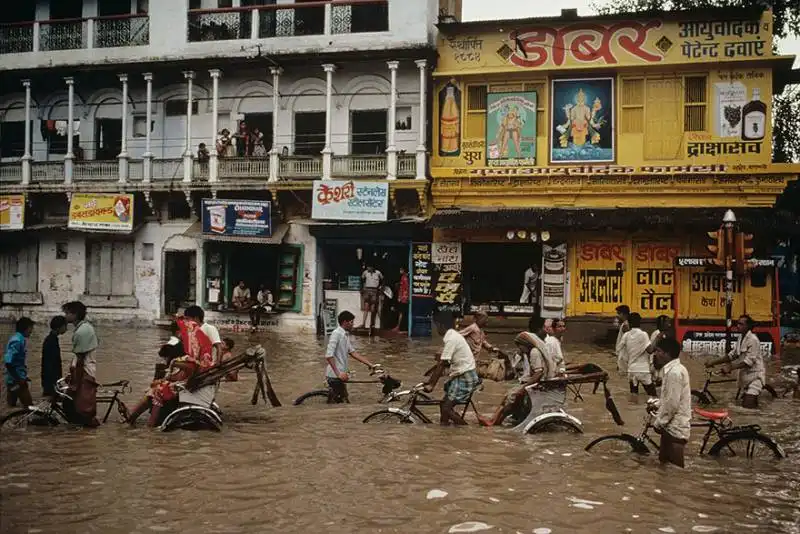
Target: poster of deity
(511, 128)
(450, 120)
(582, 120)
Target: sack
(494, 369)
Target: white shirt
(554, 355)
(372, 280)
(748, 350)
(265, 298)
(212, 333)
(675, 405)
(239, 293)
(457, 352)
(632, 352)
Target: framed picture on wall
(582, 120)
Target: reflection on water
(318, 468)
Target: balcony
(287, 20)
(75, 34)
(10, 173)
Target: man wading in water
(746, 357)
(338, 355)
(83, 370)
(674, 409)
(457, 356)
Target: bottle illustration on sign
(754, 118)
(449, 121)
(217, 217)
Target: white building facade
(99, 102)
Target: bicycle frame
(411, 407)
(713, 427)
(709, 381)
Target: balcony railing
(244, 168)
(284, 20)
(136, 170)
(74, 34)
(359, 166)
(300, 167)
(406, 166)
(95, 171)
(168, 169)
(10, 172)
(47, 171)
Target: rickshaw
(195, 407)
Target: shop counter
(350, 300)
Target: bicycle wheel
(556, 425)
(388, 416)
(699, 397)
(618, 444)
(20, 419)
(754, 446)
(319, 396)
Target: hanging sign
(446, 253)
(350, 200)
(554, 280)
(100, 211)
(237, 217)
(422, 271)
(12, 212)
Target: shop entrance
(495, 277)
(180, 275)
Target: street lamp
(729, 223)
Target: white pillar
(213, 161)
(123, 153)
(254, 23)
(26, 157)
(90, 33)
(70, 119)
(391, 150)
(188, 158)
(148, 153)
(422, 65)
(274, 158)
(327, 152)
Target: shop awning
(278, 233)
(757, 219)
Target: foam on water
(469, 526)
(436, 494)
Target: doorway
(107, 139)
(180, 275)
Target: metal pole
(729, 221)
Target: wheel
(700, 397)
(618, 444)
(319, 396)
(23, 417)
(556, 425)
(191, 419)
(388, 416)
(750, 446)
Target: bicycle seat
(713, 415)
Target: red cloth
(402, 292)
(198, 352)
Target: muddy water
(319, 469)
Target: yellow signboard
(12, 212)
(653, 278)
(603, 43)
(603, 277)
(99, 211)
(702, 296)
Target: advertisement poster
(421, 286)
(653, 278)
(511, 128)
(446, 253)
(582, 120)
(602, 277)
(554, 280)
(340, 200)
(450, 120)
(739, 111)
(108, 212)
(237, 217)
(447, 291)
(712, 342)
(12, 212)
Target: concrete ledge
(110, 301)
(20, 299)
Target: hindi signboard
(350, 200)
(422, 271)
(108, 212)
(12, 212)
(237, 217)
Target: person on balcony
(202, 153)
(225, 148)
(243, 143)
(257, 138)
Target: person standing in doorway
(634, 358)
(530, 286)
(371, 280)
(403, 290)
(15, 361)
(674, 408)
(83, 369)
(337, 356)
(51, 356)
(747, 359)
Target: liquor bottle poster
(554, 280)
(450, 120)
(511, 128)
(739, 111)
(582, 120)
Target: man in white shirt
(623, 312)
(196, 313)
(746, 357)
(458, 359)
(241, 296)
(674, 415)
(371, 280)
(633, 357)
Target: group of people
(374, 292)
(242, 300)
(244, 143)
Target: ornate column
(148, 153)
(422, 65)
(327, 152)
(391, 150)
(213, 161)
(26, 157)
(123, 153)
(188, 158)
(274, 158)
(70, 119)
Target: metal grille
(223, 26)
(134, 31)
(341, 19)
(68, 35)
(16, 39)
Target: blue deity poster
(582, 120)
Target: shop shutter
(19, 268)
(110, 268)
(662, 137)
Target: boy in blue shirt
(16, 368)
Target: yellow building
(591, 152)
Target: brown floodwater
(319, 469)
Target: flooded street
(317, 469)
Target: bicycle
(704, 397)
(732, 441)
(410, 412)
(50, 411)
(320, 396)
